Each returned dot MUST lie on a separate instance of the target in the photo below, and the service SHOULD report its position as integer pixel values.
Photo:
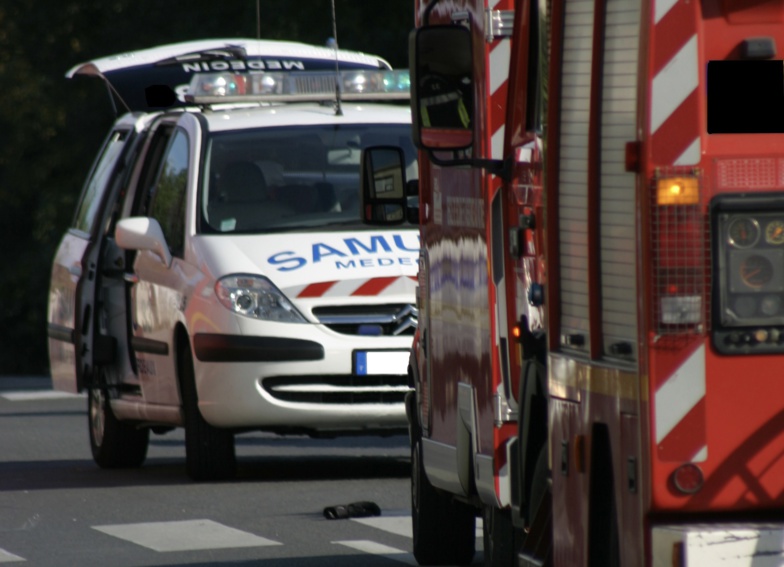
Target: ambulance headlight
(256, 297)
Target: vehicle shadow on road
(158, 470)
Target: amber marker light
(677, 191)
(688, 478)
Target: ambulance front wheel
(113, 443)
(209, 451)
(443, 529)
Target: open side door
(74, 345)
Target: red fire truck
(598, 367)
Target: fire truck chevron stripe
(498, 57)
(678, 28)
(673, 85)
(680, 444)
(680, 412)
(662, 7)
(678, 133)
(674, 123)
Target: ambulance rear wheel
(209, 451)
(443, 528)
(113, 443)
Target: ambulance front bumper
(318, 381)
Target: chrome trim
(499, 24)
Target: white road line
(26, 396)
(189, 535)
(399, 523)
(373, 548)
(6, 557)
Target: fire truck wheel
(114, 443)
(443, 529)
(209, 451)
(501, 539)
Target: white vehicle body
(179, 305)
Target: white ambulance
(217, 275)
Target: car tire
(443, 529)
(209, 451)
(114, 443)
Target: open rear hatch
(158, 77)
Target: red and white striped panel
(674, 121)
(680, 412)
(498, 60)
(499, 54)
(363, 287)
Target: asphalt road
(58, 508)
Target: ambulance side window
(98, 184)
(169, 193)
(151, 167)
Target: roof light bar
(298, 86)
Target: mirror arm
(499, 167)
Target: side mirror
(383, 185)
(142, 233)
(442, 87)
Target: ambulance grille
(349, 389)
(369, 320)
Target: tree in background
(51, 128)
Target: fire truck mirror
(442, 87)
(383, 185)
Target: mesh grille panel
(681, 267)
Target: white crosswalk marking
(394, 524)
(26, 396)
(6, 557)
(374, 548)
(187, 535)
(399, 523)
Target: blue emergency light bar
(298, 86)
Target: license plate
(380, 362)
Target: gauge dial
(745, 306)
(756, 271)
(770, 305)
(774, 232)
(743, 232)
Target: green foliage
(51, 128)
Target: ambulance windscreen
(294, 178)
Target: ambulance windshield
(292, 178)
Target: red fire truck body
(601, 282)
